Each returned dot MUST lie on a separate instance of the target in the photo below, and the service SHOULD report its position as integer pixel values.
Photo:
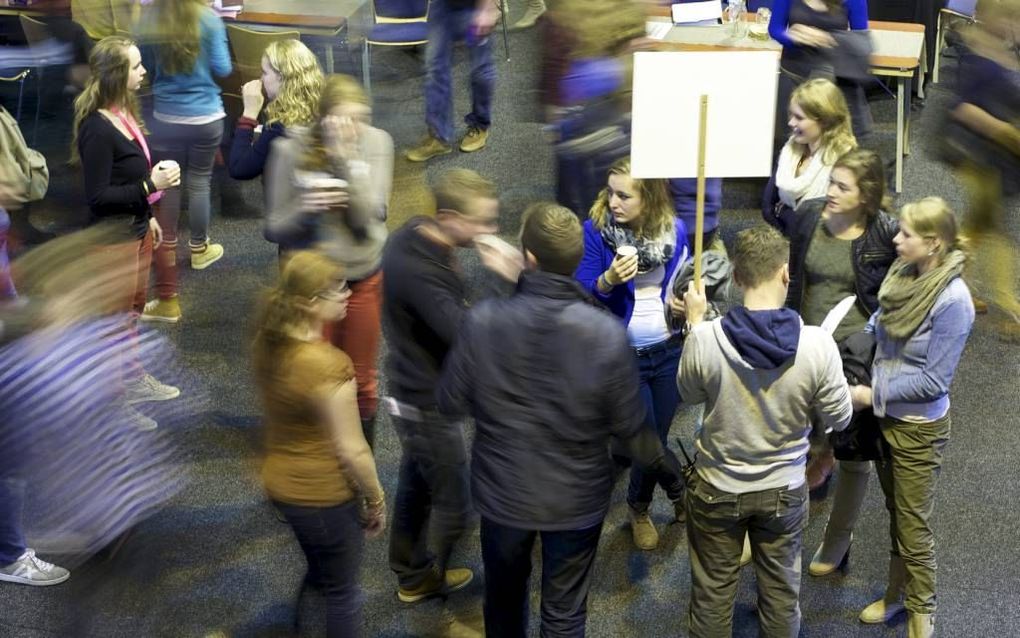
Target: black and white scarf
(652, 252)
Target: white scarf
(812, 183)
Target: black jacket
(861, 440)
(873, 252)
(424, 300)
(550, 379)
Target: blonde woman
(318, 469)
(185, 45)
(633, 244)
(921, 327)
(341, 145)
(820, 134)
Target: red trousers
(358, 335)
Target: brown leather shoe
(474, 140)
(426, 149)
(456, 579)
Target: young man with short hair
(764, 377)
(424, 301)
(550, 379)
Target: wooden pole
(699, 224)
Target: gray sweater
(755, 431)
(353, 237)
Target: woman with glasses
(318, 469)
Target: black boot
(368, 427)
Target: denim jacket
(911, 377)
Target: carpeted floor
(216, 561)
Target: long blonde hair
(822, 101)
(284, 307)
(107, 85)
(657, 211)
(300, 83)
(176, 32)
(336, 90)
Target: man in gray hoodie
(764, 378)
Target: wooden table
(899, 52)
(44, 7)
(348, 17)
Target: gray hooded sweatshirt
(764, 378)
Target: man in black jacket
(550, 379)
(424, 300)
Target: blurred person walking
(340, 173)
(78, 469)
(424, 302)
(289, 91)
(983, 143)
(121, 183)
(318, 468)
(924, 318)
(185, 44)
(633, 246)
(452, 21)
(762, 375)
(550, 379)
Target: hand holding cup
(624, 266)
(166, 174)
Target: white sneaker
(139, 421)
(32, 570)
(147, 388)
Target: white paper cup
(319, 181)
(626, 251)
(166, 165)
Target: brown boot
(920, 625)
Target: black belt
(656, 347)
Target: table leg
(329, 57)
(906, 120)
(900, 99)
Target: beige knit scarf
(906, 297)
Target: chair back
(400, 10)
(36, 32)
(963, 7)
(247, 47)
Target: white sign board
(741, 90)
(693, 12)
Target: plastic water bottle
(735, 12)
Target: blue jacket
(192, 94)
(910, 378)
(857, 16)
(598, 256)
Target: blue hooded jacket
(765, 339)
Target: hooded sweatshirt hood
(764, 339)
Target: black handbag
(862, 439)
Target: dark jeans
(567, 560)
(657, 368)
(446, 27)
(717, 522)
(433, 484)
(12, 538)
(332, 540)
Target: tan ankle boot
(883, 609)
(920, 625)
(531, 15)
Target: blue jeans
(657, 368)
(447, 26)
(332, 540)
(194, 148)
(433, 487)
(12, 538)
(567, 560)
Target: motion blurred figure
(984, 144)
(424, 301)
(318, 468)
(549, 379)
